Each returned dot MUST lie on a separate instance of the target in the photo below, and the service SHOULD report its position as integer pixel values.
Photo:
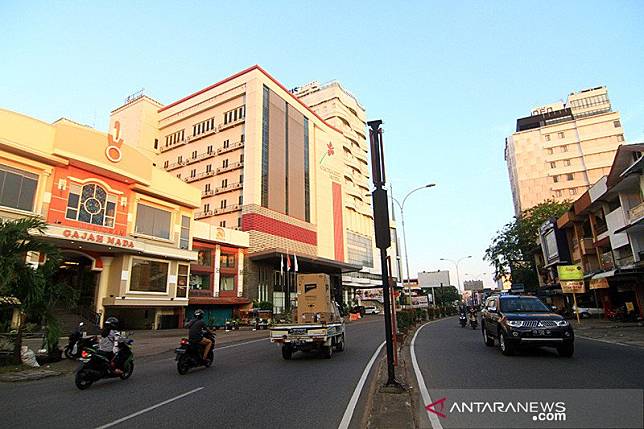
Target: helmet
(199, 314)
(112, 322)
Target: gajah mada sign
(98, 238)
(570, 272)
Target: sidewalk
(146, 344)
(630, 333)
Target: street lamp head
(430, 185)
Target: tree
(33, 286)
(446, 295)
(512, 249)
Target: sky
(449, 80)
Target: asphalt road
(453, 357)
(249, 386)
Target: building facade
(264, 163)
(561, 149)
(340, 108)
(124, 228)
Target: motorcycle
(96, 365)
(463, 320)
(189, 354)
(77, 342)
(473, 321)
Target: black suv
(524, 321)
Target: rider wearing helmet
(196, 327)
(108, 342)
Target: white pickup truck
(323, 337)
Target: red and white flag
(282, 265)
(295, 263)
(288, 262)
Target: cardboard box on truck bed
(314, 299)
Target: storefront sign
(573, 286)
(419, 301)
(114, 142)
(570, 272)
(108, 240)
(599, 284)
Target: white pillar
(240, 272)
(215, 281)
(101, 290)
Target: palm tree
(34, 287)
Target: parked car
(371, 309)
(524, 321)
(586, 312)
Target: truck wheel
(287, 352)
(327, 352)
(340, 346)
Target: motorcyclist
(108, 343)
(196, 328)
(472, 313)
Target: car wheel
(506, 348)
(287, 352)
(566, 350)
(486, 337)
(340, 346)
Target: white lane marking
(433, 418)
(241, 344)
(351, 406)
(145, 410)
(606, 341)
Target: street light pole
(402, 219)
(458, 278)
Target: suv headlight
(562, 323)
(515, 323)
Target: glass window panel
(226, 283)
(27, 194)
(109, 221)
(84, 216)
(204, 257)
(200, 281)
(73, 200)
(71, 214)
(11, 190)
(149, 276)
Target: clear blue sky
(449, 79)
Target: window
(182, 281)
(200, 281)
(570, 176)
(194, 154)
(265, 141)
(206, 207)
(558, 193)
(241, 158)
(241, 178)
(224, 164)
(561, 134)
(620, 138)
(222, 224)
(226, 261)
(208, 168)
(184, 242)
(17, 188)
(239, 222)
(553, 165)
(148, 276)
(573, 191)
(193, 172)
(222, 204)
(207, 187)
(359, 249)
(241, 138)
(209, 150)
(555, 179)
(234, 115)
(166, 164)
(178, 175)
(226, 283)
(547, 137)
(224, 183)
(204, 257)
(549, 151)
(173, 138)
(153, 221)
(617, 124)
(179, 159)
(91, 204)
(226, 144)
(564, 148)
(203, 126)
(241, 200)
(567, 162)
(156, 144)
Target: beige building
(343, 111)
(265, 163)
(561, 149)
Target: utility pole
(382, 234)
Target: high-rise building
(342, 110)
(561, 149)
(265, 163)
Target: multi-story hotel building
(264, 163)
(561, 149)
(123, 227)
(342, 110)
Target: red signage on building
(98, 238)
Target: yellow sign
(630, 307)
(570, 272)
(572, 286)
(599, 284)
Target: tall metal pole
(382, 235)
(402, 218)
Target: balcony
(230, 167)
(616, 220)
(587, 247)
(222, 127)
(175, 145)
(200, 157)
(174, 166)
(230, 147)
(207, 193)
(229, 209)
(199, 176)
(229, 188)
(635, 214)
(204, 214)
